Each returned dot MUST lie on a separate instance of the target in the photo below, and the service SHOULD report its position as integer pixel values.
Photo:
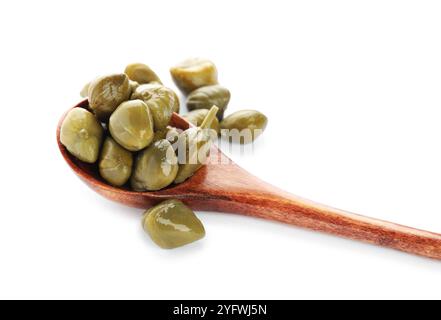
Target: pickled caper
(172, 224)
(170, 133)
(244, 126)
(85, 91)
(194, 147)
(131, 125)
(160, 135)
(107, 93)
(177, 103)
(115, 163)
(156, 167)
(194, 73)
(196, 117)
(160, 100)
(141, 73)
(206, 97)
(133, 85)
(81, 134)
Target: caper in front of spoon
(131, 125)
(115, 165)
(156, 167)
(81, 134)
(171, 224)
(206, 97)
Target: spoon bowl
(225, 187)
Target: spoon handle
(296, 211)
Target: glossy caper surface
(173, 136)
(194, 73)
(177, 103)
(81, 133)
(115, 165)
(244, 126)
(160, 100)
(160, 135)
(141, 73)
(131, 125)
(206, 97)
(194, 146)
(168, 133)
(196, 117)
(107, 93)
(172, 224)
(133, 86)
(156, 167)
(85, 91)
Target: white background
(352, 90)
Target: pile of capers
(198, 80)
(126, 131)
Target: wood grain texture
(225, 187)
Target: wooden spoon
(226, 187)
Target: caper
(131, 125)
(194, 73)
(176, 104)
(170, 133)
(244, 126)
(173, 136)
(81, 134)
(160, 100)
(107, 93)
(206, 97)
(141, 73)
(115, 165)
(172, 224)
(85, 91)
(196, 117)
(194, 147)
(156, 167)
(133, 85)
(160, 135)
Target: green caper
(85, 91)
(173, 136)
(244, 126)
(141, 73)
(176, 104)
(196, 117)
(81, 134)
(194, 147)
(156, 167)
(115, 164)
(160, 100)
(194, 73)
(206, 97)
(160, 135)
(133, 85)
(172, 224)
(107, 93)
(131, 125)
(170, 133)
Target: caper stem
(206, 124)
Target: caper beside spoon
(172, 224)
